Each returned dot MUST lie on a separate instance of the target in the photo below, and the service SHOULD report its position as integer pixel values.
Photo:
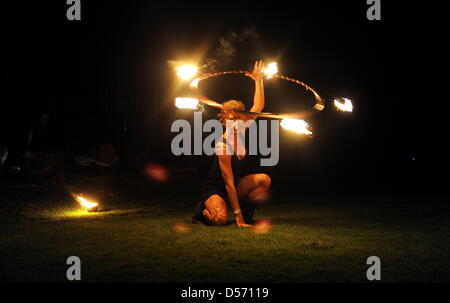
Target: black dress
(215, 185)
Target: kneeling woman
(226, 180)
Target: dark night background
(112, 67)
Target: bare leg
(216, 212)
(254, 186)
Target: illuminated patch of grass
(309, 241)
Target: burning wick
(91, 206)
(271, 69)
(345, 106)
(186, 72)
(296, 125)
(186, 103)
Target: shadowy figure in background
(44, 151)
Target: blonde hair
(225, 115)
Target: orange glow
(181, 228)
(157, 172)
(262, 226)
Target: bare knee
(260, 193)
(216, 211)
(264, 180)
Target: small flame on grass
(86, 203)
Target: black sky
(395, 69)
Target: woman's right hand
(240, 222)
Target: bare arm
(258, 76)
(227, 175)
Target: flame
(296, 125)
(347, 106)
(194, 83)
(271, 69)
(187, 71)
(186, 103)
(84, 202)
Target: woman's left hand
(258, 71)
(240, 222)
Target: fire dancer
(227, 181)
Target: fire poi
(343, 104)
(289, 121)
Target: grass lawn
(147, 236)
